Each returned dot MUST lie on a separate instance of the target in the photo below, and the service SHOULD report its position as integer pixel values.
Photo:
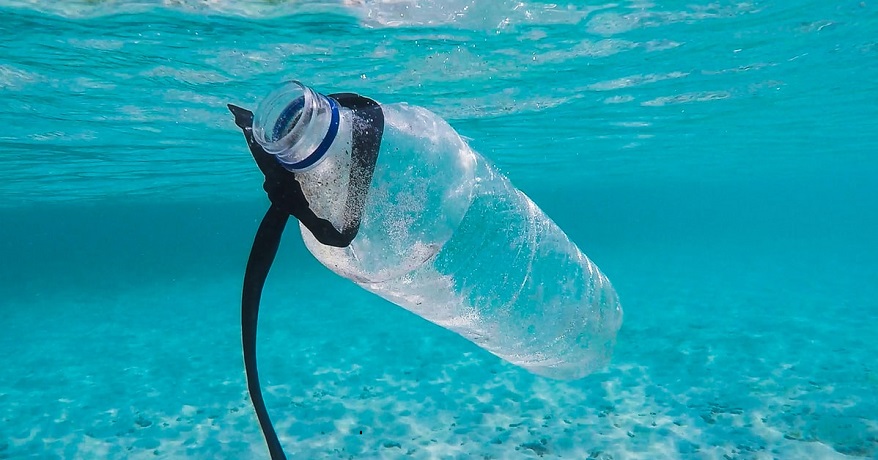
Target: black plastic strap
(285, 191)
(281, 186)
(368, 129)
(287, 199)
(261, 257)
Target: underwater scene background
(717, 160)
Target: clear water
(717, 160)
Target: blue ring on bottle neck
(321, 149)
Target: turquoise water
(717, 160)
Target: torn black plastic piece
(287, 199)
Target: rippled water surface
(718, 160)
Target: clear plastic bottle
(446, 236)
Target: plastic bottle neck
(298, 125)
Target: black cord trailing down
(261, 257)
(285, 194)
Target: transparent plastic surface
(447, 237)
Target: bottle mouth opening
(296, 125)
(279, 115)
(287, 119)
